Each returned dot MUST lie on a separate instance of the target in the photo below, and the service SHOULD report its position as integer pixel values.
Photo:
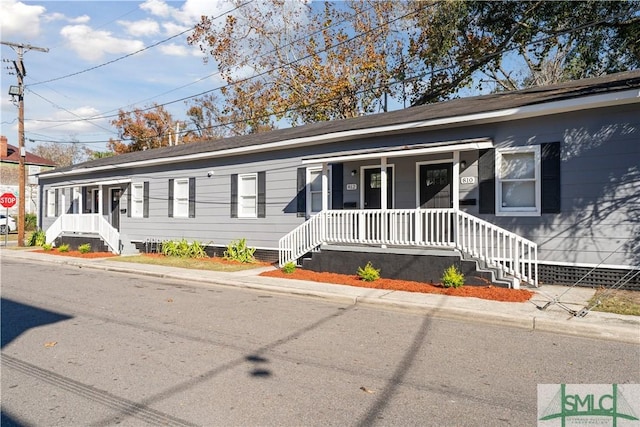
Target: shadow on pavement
(17, 318)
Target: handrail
(486, 242)
(85, 223)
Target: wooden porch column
(383, 183)
(455, 185)
(325, 186)
(100, 193)
(80, 207)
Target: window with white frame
(518, 181)
(181, 198)
(314, 190)
(248, 195)
(137, 200)
(51, 203)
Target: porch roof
(402, 151)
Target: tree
(453, 40)
(63, 154)
(275, 73)
(144, 128)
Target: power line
(133, 53)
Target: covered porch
(407, 196)
(89, 208)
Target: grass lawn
(213, 264)
(619, 302)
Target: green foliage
(452, 278)
(183, 249)
(47, 247)
(30, 222)
(38, 238)
(63, 248)
(289, 267)
(85, 248)
(368, 273)
(239, 251)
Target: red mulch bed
(484, 292)
(77, 254)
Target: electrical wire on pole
(21, 72)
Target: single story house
(541, 185)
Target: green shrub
(196, 250)
(47, 247)
(38, 238)
(182, 249)
(239, 251)
(452, 278)
(85, 248)
(368, 273)
(63, 248)
(289, 267)
(30, 222)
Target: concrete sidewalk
(522, 315)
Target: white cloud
(157, 8)
(174, 49)
(145, 27)
(92, 44)
(57, 16)
(19, 19)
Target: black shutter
(129, 199)
(57, 202)
(145, 200)
(192, 197)
(234, 195)
(301, 198)
(170, 198)
(336, 185)
(487, 181)
(550, 157)
(84, 208)
(262, 195)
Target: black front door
(115, 207)
(435, 186)
(373, 188)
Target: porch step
(417, 264)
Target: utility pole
(20, 48)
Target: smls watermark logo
(588, 404)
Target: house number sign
(468, 180)
(352, 186)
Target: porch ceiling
(93, 183)
(402, 151)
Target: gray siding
(600, 187)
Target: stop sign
(7, 200)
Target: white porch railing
(85, 223)
(496, 247)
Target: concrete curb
(595, 325)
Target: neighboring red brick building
(9, 174)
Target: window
(248, 195)
(137, 200)
(51, 203)
(314, 190)
(518, 181)
(182, 197)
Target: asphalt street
(83, 346)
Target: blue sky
(85, 34)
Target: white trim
(537, 179)
(403, 151)
(137, 195)
(545, 108)
(588, 265)
(253, 175)
(92, 183)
